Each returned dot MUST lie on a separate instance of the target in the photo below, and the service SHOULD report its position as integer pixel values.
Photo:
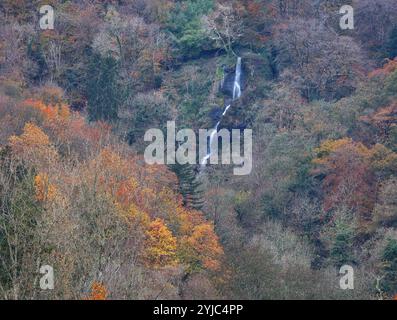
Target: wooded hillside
(77, 194)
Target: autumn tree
(98, 292)
(224, 27)
(348, 179)
(160, 245)
(201, 250)
(44, 190)
(384, 121)
(34, 146)
(316, 60)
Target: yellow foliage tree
(383, 159)
(32, 136)
(137, 216)
(44, 190)
(33, 146)
(329, 146)
(160, 245)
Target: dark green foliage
(189, 185)
(40, 69)
(269, 206)
(104, 91)
(196, 100)
(341, 252)
(389, 282)
(287, 171)
(391, 46)
(185, 25)
(190, 90)
(391, 85)
(393, 139)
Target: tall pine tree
(189, 185)
(103, 88)
(391, 45)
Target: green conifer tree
(189, 185)
(103, 89)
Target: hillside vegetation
(77, 194)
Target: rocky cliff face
(228, 84)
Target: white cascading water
(237, 80)
(236, 95)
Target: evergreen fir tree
(104, 92)
(391, 45)
(189, 185)
(341, 252)
(390, 267)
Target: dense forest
(76, 193)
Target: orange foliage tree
(384, 120)
(348, 178)
(145, 197)
(388, 68)
(98, 292)
(45, 191)
(160, 247)
(203, 248)
(350, 170)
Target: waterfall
(237, 80)
(236, 95)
